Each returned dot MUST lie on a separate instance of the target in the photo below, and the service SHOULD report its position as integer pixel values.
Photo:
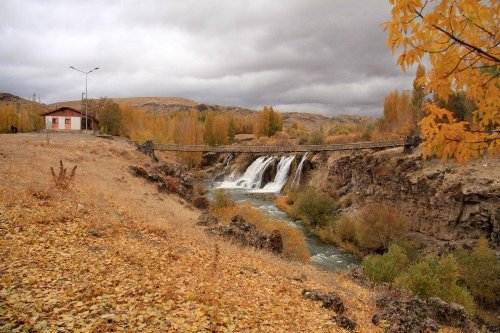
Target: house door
(67, 123)
(55, 123)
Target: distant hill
(20, 103)
(179, 104)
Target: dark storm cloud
(318, 56)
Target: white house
(68, 118)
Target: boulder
(248, 235)
(148, 148)
(344, 322)
(138, 171)
(330, 300)
(416, 315)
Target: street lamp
(86, 94)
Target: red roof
(66, 109)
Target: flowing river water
(248, 188)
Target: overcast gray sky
(323, 56)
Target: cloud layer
(324, 56)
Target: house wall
(75, 123)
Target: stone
(450, 314)
(407, 314)
(344, 322)
(330, 300)
(276, 242)
(247, 234)
(138, 171)
(148, 148)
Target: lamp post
(86, 94)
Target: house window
(67, 121)
(54, 121)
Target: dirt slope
(110, 253)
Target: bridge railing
(281, 149)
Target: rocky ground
(447, 203)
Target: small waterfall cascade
(227, 165)
(252, 178)
(298, 172)
(281, 175)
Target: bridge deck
(281, 149)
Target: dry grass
(111, 253)
(294, 244)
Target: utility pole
(86, 92)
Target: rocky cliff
(445, 201)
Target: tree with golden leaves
(460, 39)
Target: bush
(317, 137)
(480, 270)
(378, 225)
(386, 267)
(345, 230)
(429, 278)
(222, 200)
(315, 209)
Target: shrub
(327, 234)
(429, 278)
(314, 208)
(378, 225)
(222, 200)
(345, 230)
(480, 270)
(411, 248)
(62, 180)
(385, 268)
(317, 137)
(345, 201)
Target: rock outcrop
(246, 234)
(169, 179)
(148, 148)
(444, 201)
(332, 301)
(416, 315)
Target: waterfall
(252, 178)
(227, 164)
(281, 175)
(298, 172)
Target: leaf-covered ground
(111, 254)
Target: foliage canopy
(461, 39)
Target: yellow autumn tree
(8, 117)
(460, 39)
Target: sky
(319, 56)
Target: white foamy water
(281, 176)
(298, 172)
(252, 178)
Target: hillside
(177, 104)
(20, 103)
(112, 253)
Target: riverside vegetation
(378, 234)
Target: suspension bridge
(408, 144)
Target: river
(323, 255)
